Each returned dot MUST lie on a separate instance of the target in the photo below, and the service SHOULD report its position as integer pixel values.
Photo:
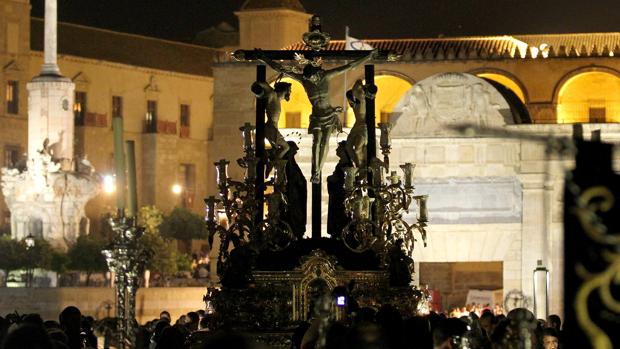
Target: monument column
(50, 101)
(50, 65)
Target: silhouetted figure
(296, 193)
(29, 336)
(399, 265)
(71, 320)
(447, 332)
(238, 273)
(171, 338)
(337, 218)
(87, 329)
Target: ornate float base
(278, 301)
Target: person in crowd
(449, 334)
(71, 323)
(27, 335)
(555, 322)
(486, 323)
(87, 330)
(192, 321)
(157, 332)
(172, 337)
(165, 315)
(550, 338)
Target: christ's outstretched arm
(277, 66)
(339, 70)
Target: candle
(248, 134)
(222, 172)
(377, 173)
(119, 164)
(349, 178)
(394, 178)
(210, 216)
(385, 140)
(251, 170)
(131, 179)
(423, 215)
(222, 218)
(408, 174)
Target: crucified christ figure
(324, 118)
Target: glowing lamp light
(29, 240)
(177, 189)
(109, 184)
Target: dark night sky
(181, 19)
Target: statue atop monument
(324, 118)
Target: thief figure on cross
(324, 118)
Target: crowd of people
(476, 308)
(364, 328)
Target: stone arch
(397, 74)
(432, 105)
(296, 112)
(588, 94)
(22, 218)
(35, 227)
(392, 87)
(511, 81)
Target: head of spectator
(70, 321)
(550, 338)
(554, 321)
(192, 321)
(159, 328)
(171, 338)
(164, 315)
(520, 326)
(27, 335)
(449, 334)
(486, 322)
(34, 319)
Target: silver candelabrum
(376, 208)
(125, 259)
(235, 210)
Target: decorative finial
(315, 38)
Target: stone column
(533, 234)
(50, 65)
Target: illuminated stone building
(161, 89)
(495, 203)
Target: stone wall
(99, 301)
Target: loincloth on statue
(358, 131)
(273, 135)
(328, 120)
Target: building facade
(161, 89)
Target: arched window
(390, 90)
(35, 227)
(296, 112)
(506, 81)
(589, 97)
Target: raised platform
(280, 299)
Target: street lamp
(541, 291)
(109, 184)
(30, 242)
(177, 189)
